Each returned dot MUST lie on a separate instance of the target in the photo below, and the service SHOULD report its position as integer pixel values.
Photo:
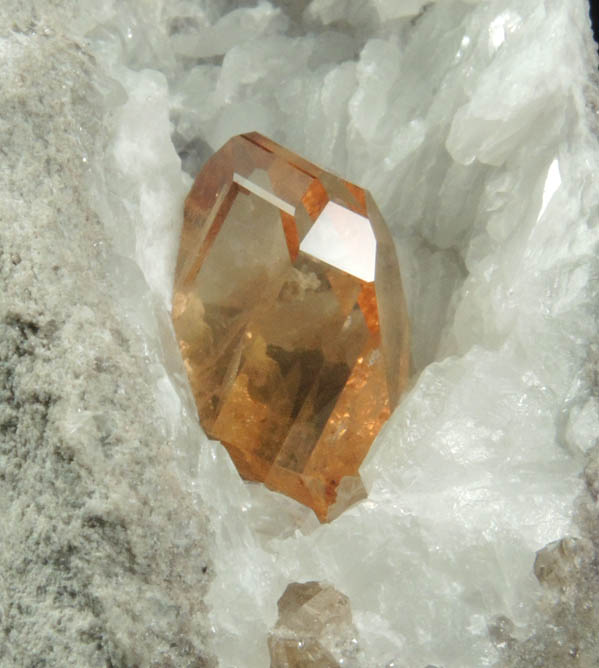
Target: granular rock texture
(568, 570)
(474, 125)
(104, 560)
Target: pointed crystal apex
(290, 318)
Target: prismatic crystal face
(291, 320)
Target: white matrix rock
(474, 125)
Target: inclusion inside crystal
(290, 317)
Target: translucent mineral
(289, 314)
(474, 126)
(314, 629)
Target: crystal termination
(291, 320)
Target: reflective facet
(314, 628)
(343, 239)
(290, 316)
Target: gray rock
(104, 560)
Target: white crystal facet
(471, 124)
(264, 194)
(552, 183)
(343, 239)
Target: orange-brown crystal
(290, 317)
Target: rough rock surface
(474, 124)
(104, 560)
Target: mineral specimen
(290, 318)
(314, 628)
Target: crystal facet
(290, 317)
(314, 628)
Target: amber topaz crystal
(290, 316)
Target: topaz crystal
(315, 628)
(291, 320)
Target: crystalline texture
(295, 349)
(314, 628)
